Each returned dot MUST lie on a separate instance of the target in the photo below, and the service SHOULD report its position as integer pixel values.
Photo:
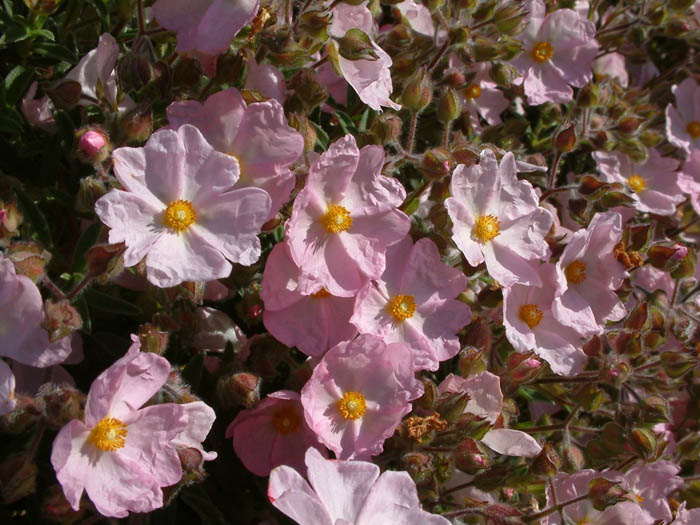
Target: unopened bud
(356, 45)
(63, 403)
(43, 7)
(677, 364)
(153, 339)
(137, 124)
(655, 409)
(508, 19)
(452, 406)
(523, 367)
(436, 164)
(93, 146)
(485, 11)
(604, 493)
(419, 466)
(566, 140)
(90, 189)
(239, 389)
(314, 23)
(548, 462)
(105, 261)
(589, 95)
(503, 74)
(470, 361)
(448, 107)
(471, 457)
(418, 91)
(430, 394)
(433, 5)
(61, 319)
(387, 128)
(643, 441)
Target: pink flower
(273, 433)
(336, 86)
(413, 303)
(371, 79)
(531, 325)
(652, 185)
(497, 219)
(22, 336)
(215, 330)
(344, 219)
(179, 211)
(205, 26)
(683, 121)
(347, 492)
(120, 455)
(418, 17)
(7, 389)
(651, 485)
(313, 323)
(612, 66)
(689, 179)
(266, 80)
(558, 52)
(358, 394)
(39, 111)
(683, 515)
(257, 136)
(587, 276)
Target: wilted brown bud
(628, 259)
(29, 259)
(448, 106)
(66, 94)
(548, 462)
(437, 163)
(307, 90)
(62, 404)
(471, 457)
(239, 389)
(566, 140)
(61, 319)
(387, 128)
(418, 91)
(604, 493)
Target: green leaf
(346, 122)
(86, 241)
(321, 136)
(108, 303)
(45, 33)
(11, 124)
(16, 83)
(54, 51)
(36, 219)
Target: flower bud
(503, 74)
(387, 128)
(589, 96)
(314, 23)
(655, 409)
(448, 107)
(153, 339)
(93, 146)
(137, 124)
(643, 441)
(508, 19)
(523, 367)
(29, 259)
(66, 94)
(90, 189)
(43, 7)
(239, 389)
(308, 91)
(356, 45)
(470, 361)
(677, 364)
(419, 466)
(566, 140)
(433, 5)
(688, 260)
(418, 91)
(471, 457)
(62, 404)
(452, 405)
(430, 395)
(548, 462)
(436, 163)
(484, 50)
(604, 493)
(61, 319)
(484, 11)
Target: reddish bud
(603, 493)
(61, 319)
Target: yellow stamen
(352, 405)
(575, 272)
(640, 499)
(108, 435)
(336, 219)
(179, 215)
(486, 228)
(530, 315)
(402, 307)
(637, 183)
(285, 420)
(321, 294)
(693, 129)
(542, 52)
(472, 91)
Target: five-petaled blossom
(347, 492)
(179, 209)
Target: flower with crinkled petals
(7, 389)
(358, 394)
(417, 16)
(313, 323)
(344, 220)
(371, 79)
(273, 433)
(22, 336)
(414, 303)
(531, 325)
(650, 485)
(587, 276)
(347, 492)
(497, 219)
(179, 211)
(558, 52)
(653, 185)
(686, 516)
(689, 179)
(121, 454)
(205, 28)
(683, 120)
(256, 135)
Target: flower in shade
(273, 433)
(313, 323)
(344, 219)
(257, 136)
(651, 484)
(179, 211)
(558, 52)
(22, 316)
(7, 389)
(653, 185)
(531, 325)
(587, 276)
(413, 302)
(38, 111)
(613, 66)
(347, 492)
(689, 179)
(121, 454)
(371, 79)
(683, 121)
(358, 394)
(266, 80)
(497, 219)
(205, 28)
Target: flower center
(321, 294)
(352, 405)
(336, 219)
(575, 272)
(693, 129)
(472, 91)
(486, 228)
(640, 499)
(542, 51)
(530, 315)
(108, 435)
(179, 215)
(402, 307)
(637, 183)
(285, 420)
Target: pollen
(530, 315)
(352, 405)
(693, 129)
(336, 219)
(179, 215)
(321, 294)
(402, 307)
(575, 272)
(285, 420)
(637, 183)
(486, 228)
(472, 91)
(542, 52)
(108, 435)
